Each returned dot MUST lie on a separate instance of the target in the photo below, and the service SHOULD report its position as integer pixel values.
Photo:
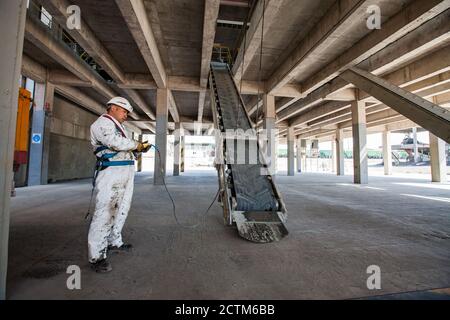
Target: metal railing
(222, 53)
(39, 14)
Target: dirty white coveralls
(114, 187)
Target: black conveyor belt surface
(254, 191)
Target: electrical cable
(170, 196)
(173, 202)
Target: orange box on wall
(22, 127)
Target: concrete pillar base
(438, 159)
(176, 150)
(387, 153)
(291, 150)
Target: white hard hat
(121, 102)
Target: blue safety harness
(104, 161)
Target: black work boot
(123, 248)
(101, 266)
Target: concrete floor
(336, 229)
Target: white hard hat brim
(120, 102)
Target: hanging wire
(243, 54)
(260, 65)
(243, 62)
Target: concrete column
(269, 126)
(303, 143)
(291, 151)
(340, 155)
(162, 107)
(416, 148)
(333, 155)
(176, 149)
(182, 151)
(139, 160)
(315, 152)
(275, 155)
(299, 154)
(12, 22)
(48, 111)
(37, 127)
(359, 131)
(438, 159)
(387, 153)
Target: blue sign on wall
(36, 138)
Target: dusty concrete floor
(336, 229)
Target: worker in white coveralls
(113, 181)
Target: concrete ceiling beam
(80, 98)
(348, 94)
(85, 37)
(428, 115)
(335, 22)
(401, 125)
(182, 120)
(63, 55)
(135, 15)
(38, 73)
(312, 119)
(430, 82)
(33, 70)
(209, 31)
(93, 46)
(374, 117)
(132, 127)
(257, 87)
(173, 109)
(372, 128)
(235, 3)
(408, 19)
(442, 100)
(432, 29)
(436, 91)
(139, 101)
(433, 66)
(38, 35)
(90, 104)
(62, 76)
(140, 81)
(188, 84)
(176, 83)
(429, 66)
(343, 115)
(319, 112)
(201, 105)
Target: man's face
(118, 113)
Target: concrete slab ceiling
(181, 25)
(177, 26)
(293, 22)
(187, 103)
(106, 20)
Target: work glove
(143, 146)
